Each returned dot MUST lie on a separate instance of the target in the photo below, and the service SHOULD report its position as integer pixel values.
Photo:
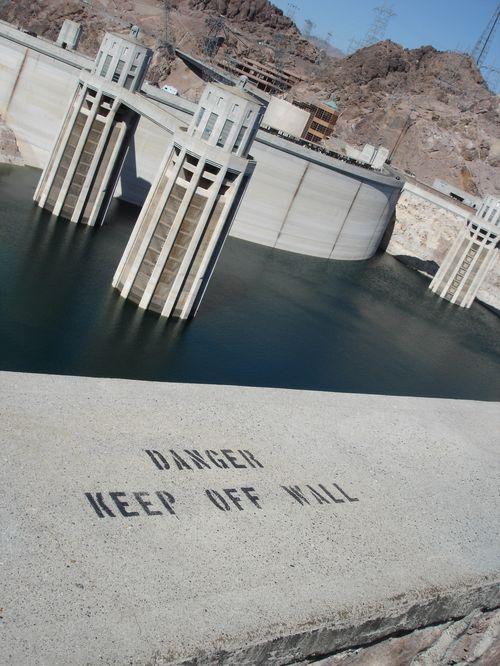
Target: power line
(480, 50)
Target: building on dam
(470, 257)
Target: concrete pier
(79, 179)
(155, 523)
(187, 215)
(471, 256)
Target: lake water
(269, 318)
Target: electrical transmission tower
(377, 30)
(168, 40)
(480, 50)
(354, 45)
(219, 31)
(492, 77)
(279, 50)
(291, 11)
(308, 28)
(216, 29)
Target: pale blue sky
(445, 24)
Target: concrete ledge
(439, 199)
(309, 154)
(152, 523)
(46, 47)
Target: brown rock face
(9, 150)
(436, 104)
(260, 11)
(472, 640)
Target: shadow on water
(269, 318)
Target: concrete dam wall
(161, 523)
(298, 199)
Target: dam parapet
(171, 526)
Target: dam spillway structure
(188, 212)
(471, 256)
(83, 168)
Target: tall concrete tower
(180, 231)
(84, 165)
(470, 257)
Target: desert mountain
(435, 103)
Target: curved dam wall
(302, 201)
(298, 199)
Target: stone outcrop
(474, 639)
(260, 11)
(422, 235)
(9, 150)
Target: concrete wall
(284, 116)
(37, 80)
(303, 206)
(298, 199)
(398, 528)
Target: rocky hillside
(254, 27)
(436, 104)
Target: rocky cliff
(474, 639)
(9, 150)
(434, 107)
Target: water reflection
(268, 319)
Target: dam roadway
(318, 520)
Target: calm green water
(269, 318)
